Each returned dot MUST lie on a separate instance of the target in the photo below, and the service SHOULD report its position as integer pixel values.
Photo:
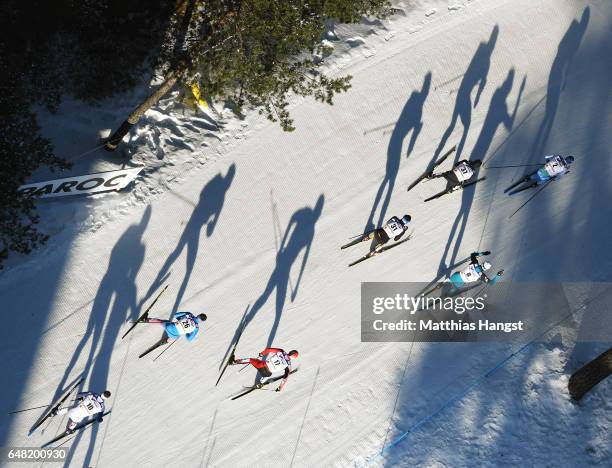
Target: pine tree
(88, 49)
(257, 53)
(275, 51)
(21, 151)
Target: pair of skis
(143, 319)
(159, 344)
(533, 185)
(79, 427)
(231, 357)
(373, 253)
(55, 406)
(429, 172)
(527, 178)
(259, 386)
(454, 189)
(359, 238)
(145, 315)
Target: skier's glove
(486, 252)
(278, 389)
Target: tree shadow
(206, 212)
(409, 120)
(497, 115)
(298, 236)
(475, 77)
(118, 286)
(557, 78)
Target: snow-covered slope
(256, 220)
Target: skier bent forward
(272, 361)
(89, 404)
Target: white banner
(90, 183)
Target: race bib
(276, 362)
(393, 228)
(91, 405)
(555, 166)
(470, 274)
(463, 172)
(185, 325)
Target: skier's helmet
(569, 159)
(476, 163)
(406, 219)
(486, 266)
(106, 395)
(202, 317)
(293, 354)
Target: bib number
(276, 360)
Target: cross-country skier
(394, 228)
(475, 271)
(271, 362)
(88, 404)
(554, 167)
(184, 323)
(459, 175)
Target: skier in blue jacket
(184, 323)
(474, 272)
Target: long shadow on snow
(589, 259)
(409, 120)
(19, 355)
(298, 236)
(497, 115)
(475, 77)
(105, 322)
(557, 78)
(206, 213)
(578, 87)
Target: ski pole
(364, 234)
(30, 409)
(530, 198)
(518, 165)
(167, 348)
(243, 367)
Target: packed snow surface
(244, 220)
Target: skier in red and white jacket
(271, 362)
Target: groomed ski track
(215, 238)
